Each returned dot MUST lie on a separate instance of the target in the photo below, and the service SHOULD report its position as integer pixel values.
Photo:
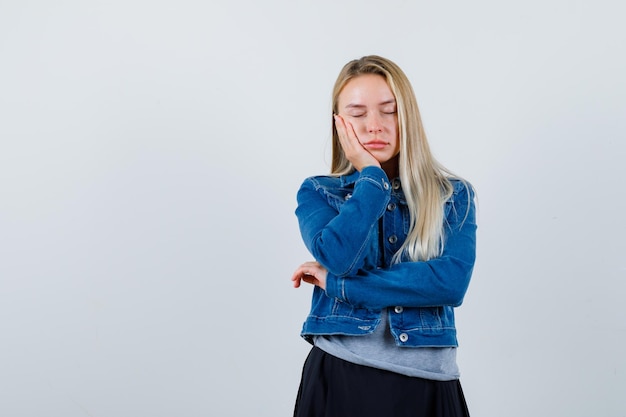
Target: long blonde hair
(424, 181)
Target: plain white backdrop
(150, 152)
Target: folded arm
(437, 282)
(338, 237)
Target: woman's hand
(354, 150)
(311, 273)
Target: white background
(149, 158)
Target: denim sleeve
(337, 237)
(441, 281)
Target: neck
(391, 167)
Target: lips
(375, 144)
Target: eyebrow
(354, 105)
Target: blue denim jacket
(353, 225)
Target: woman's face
(367, 103)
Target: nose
(374, 124)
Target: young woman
(393, 237)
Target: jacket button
(396, 184)
(393, 239)
(385, 185)
(398, 309)
(404, 337)
(391, 206)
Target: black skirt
(332, 387)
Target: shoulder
(462, 190)
(460, 206)
(332, 182)
(321, 181)
(324, 186)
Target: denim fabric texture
(353, 225)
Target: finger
(296, 278)
(346, 134)
(339, 122)
(310, 279)
(347, 129)
(352, 133)
(307, 269)
(341, 130)
(352, 147)
(297, 283)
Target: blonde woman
(393, 235)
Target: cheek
(396, 135)
(392, 127)
(359, 125)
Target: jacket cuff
(333, 289)
(377, 176)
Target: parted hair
(425, 182)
